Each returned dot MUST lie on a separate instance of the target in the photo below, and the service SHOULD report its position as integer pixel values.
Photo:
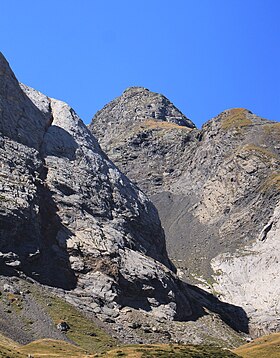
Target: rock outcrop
(216, 190)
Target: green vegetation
(168, 351)
(263, 347)
(15, 301)
(154, 124)
(260, 151)
(273, 181)
(236, 118)
(40, 348)
(52, 348)
(57, 348)
(83, 331)
(9, 348)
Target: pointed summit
(137, 104)
(134, 128)
(122, 118)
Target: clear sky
(204, 55)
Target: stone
(107, 319)
(11, 289)
(15, 264)
(63, 326)
(134, 325)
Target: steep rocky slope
(216, 190)
(69, 219)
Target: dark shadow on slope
(28, 242)
(28, 235)
(202, 301)
(192, 302)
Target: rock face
(217, 193)
(252, 276)
(139, 131)
(69, 218)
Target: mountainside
(73, 223)
(216, 191)
(266, 346)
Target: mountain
(73, 227)
(217, 191)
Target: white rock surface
(250, 278)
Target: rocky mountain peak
(134, 89)
(135, 106)
(71, 220)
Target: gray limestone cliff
(217, 193)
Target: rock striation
(217, 194)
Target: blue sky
(204, 55)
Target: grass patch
(52, 348)
(154, 124)
(83, 331)
(39, 348)
(236, 118)
(171, 350)
(9, 348)
(14, 301)
(273, 181)
(272, 129)
(56, 348)
(263, 347)
(259, 151)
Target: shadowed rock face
(216, 191)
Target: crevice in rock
(265, 231)
(53, 268)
